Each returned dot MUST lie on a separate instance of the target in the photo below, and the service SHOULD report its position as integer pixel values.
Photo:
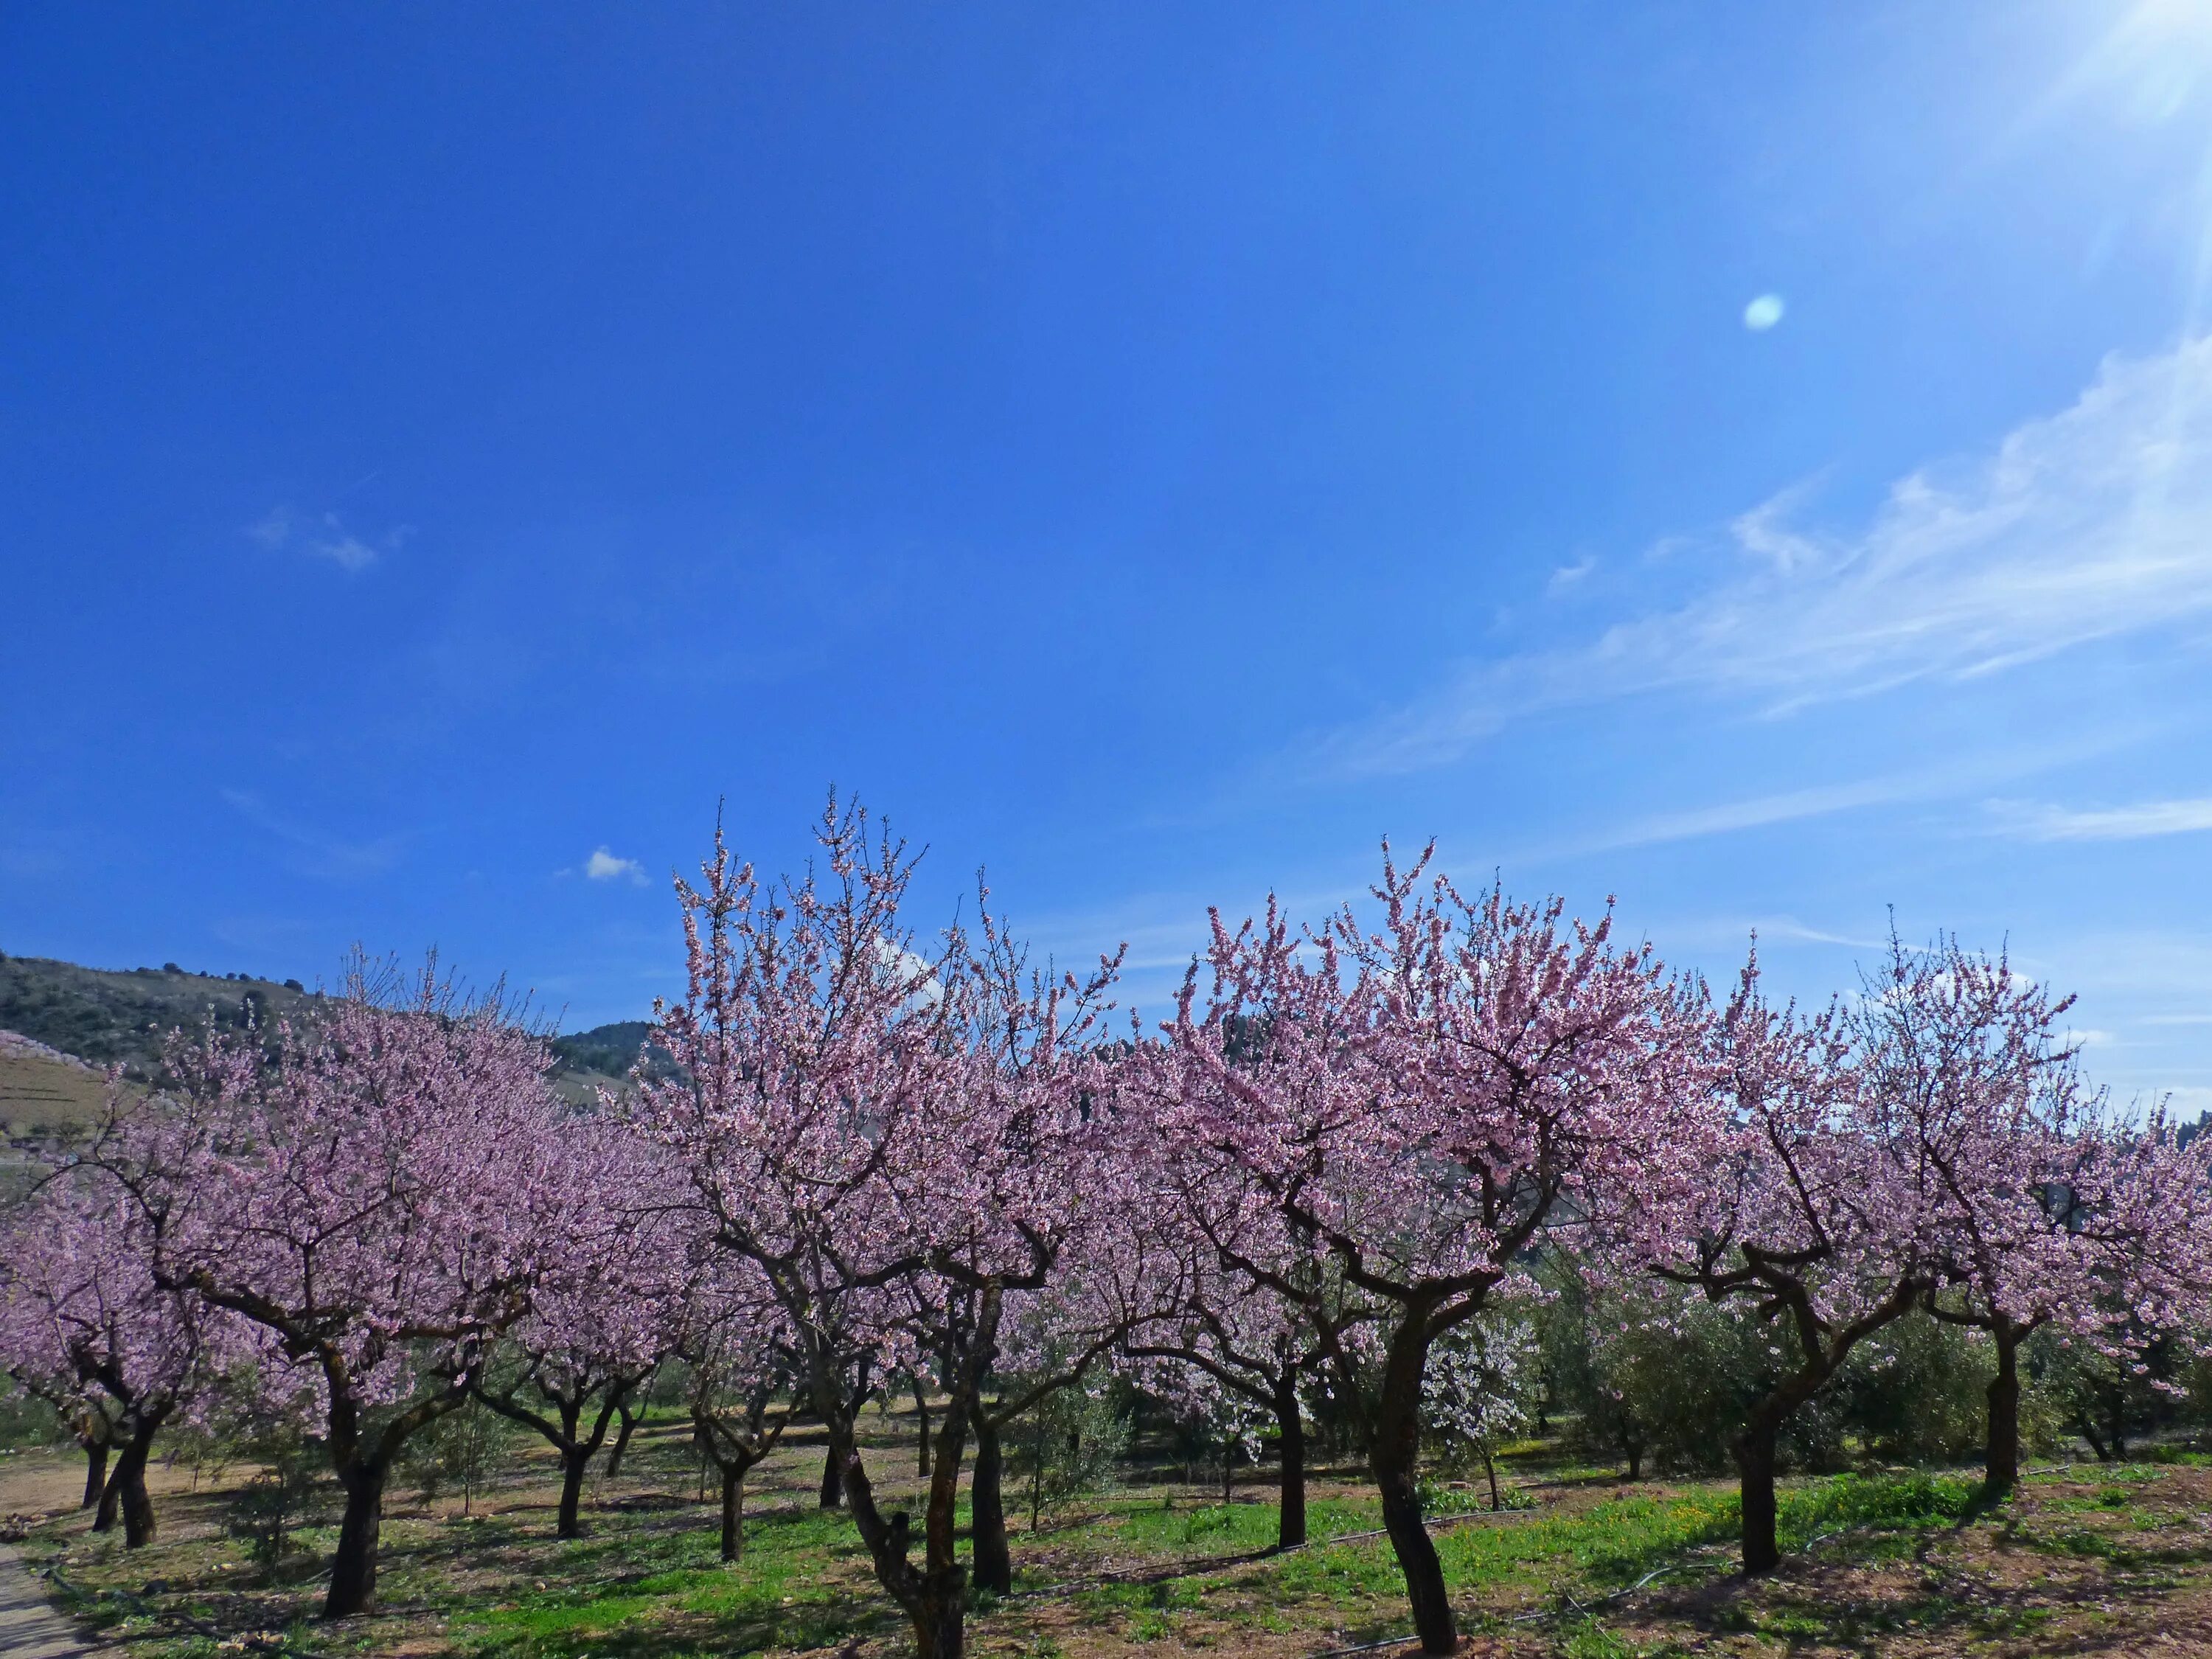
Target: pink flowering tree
(1421, 1101)
(84, 1327)
(1818, 1213)
(738, 1350)
(860, 1121)
(2048, 1210)
(1220, 1330)
(603, 1312)
(381, 1201)
(1968, 1057)
(1112, 1278)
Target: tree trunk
(833, 1482)
(1490, 1468)
(940, 1619)
(921, 1421)
(96, 1475)
(110, 1505)
(1393, 1459)
(622, 1442)
(2001, 1464)
(1754, 1462)
(986, 1506)
(130, 1481)
(1636, 1462)
(353, 1570)
(733, 1514)
(1290, 1447)
(575, 1463)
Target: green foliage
(2106, 1398)
(290, 1467)
(25, 1421)
(455, 1453)
(1917, 1392)
(1069, 1443)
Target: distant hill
(44, 1091)
(107, 1017)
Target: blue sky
(1154, 451)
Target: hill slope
(105, 1016)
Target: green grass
(1163, 1572)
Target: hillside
(42, 1090)
(105, 1017)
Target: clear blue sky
(1152, 450)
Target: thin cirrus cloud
(2092, 524)
(324, 538)
(2032, 821)
(315, 852)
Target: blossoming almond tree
(1224, 1330)
(84, 1326)
(733, 1339)
(856, 1118)
(1968, 1059)
(604, 1309)
(1818, 1209)
(381, 1201)
(1422, 1100)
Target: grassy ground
(2085, 1560)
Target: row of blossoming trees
(874, 1153)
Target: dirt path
(29, 1626)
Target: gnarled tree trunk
(629, 1421)
(1754, 1462)
(987, 1507)
(575, 1464)
(129, 1481)
(1393, 1459)
(733, 1514)
(1291, 1448)
(353, 1569)
(95, 1473)
(2001, 1461)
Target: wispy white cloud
(318, 853)
(2091, 524)
(327, 537)
(1568, 577)
(2033, 820)
(1756, 812)
(603, 865)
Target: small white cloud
(1763, 312)
(2031, 821)
(280, 528)
(341, 547)
(603, 865)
